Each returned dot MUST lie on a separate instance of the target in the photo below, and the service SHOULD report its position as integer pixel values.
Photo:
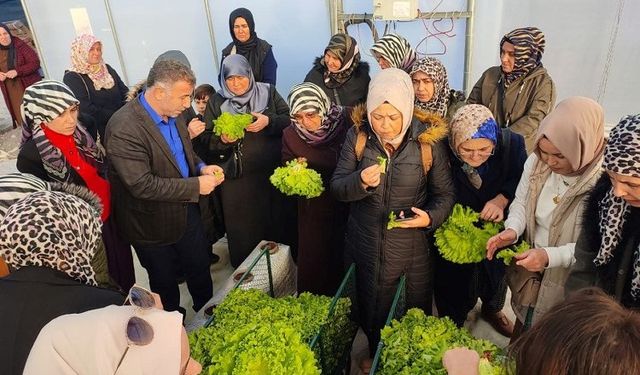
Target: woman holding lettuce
(253, 210)
(413, 177)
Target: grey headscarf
(257, 96)
(392, 86)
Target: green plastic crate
(398, 309)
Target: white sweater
(556, 185)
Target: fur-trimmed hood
(436, 128)
(136, 90)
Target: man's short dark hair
(203, 91)
(168, 72)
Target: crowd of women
(507, 152)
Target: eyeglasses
(486, 151)
(139, 331)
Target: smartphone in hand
(404, 214)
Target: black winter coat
(351, 93)
(615, 277)
(33, 296)
(253, 209)
(98, 105)
(382, 256)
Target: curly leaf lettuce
(416, 344)
(296, 179)
(463, 236)
(232, 126)
(507, 254)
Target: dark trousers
(191, 254)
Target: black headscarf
(11, 60)
(243, 47)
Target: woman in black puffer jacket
(416, 180)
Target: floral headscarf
(80, 62)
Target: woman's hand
(226, 139)
(461, 361)
(420, 220)
(370, 176)
(494, 209)
(534, 260)
(3, 76)
(11, 74)
(500, 240)
(261, 122)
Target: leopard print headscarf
(432, 67)
(621, 156)
(52, 229)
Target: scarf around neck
(621, 156)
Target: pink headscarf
(80, 62)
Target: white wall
(577, 33)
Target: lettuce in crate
(253, 333)
(416, 344)
(296, 179)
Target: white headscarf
(392, 86)
(93, 343)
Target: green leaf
(392, 223)
(382, 162)
(507, 254)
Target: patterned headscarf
(53, 229)
(392, 86)
(529, 44)
(43, 102)
(472, 121)
(15, 186)
(432, 67)
(396, 50)
(621, 156)
(346, 49)
(309, 97)
(257, 96)
(80, 62)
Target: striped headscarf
(396, 50)
(309, 97)
(346, 49)
(472, 121)
(432, 67)
(98, 73)
(42, 103)
(621, 156)
(15, 186)
(53, 229)
(529, 43)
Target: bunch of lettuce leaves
(296, 179)
(253, 333)
(463, 236)
(507, 254)
(416, 344)
(232, 126)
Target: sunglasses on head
(139, 331)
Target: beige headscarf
(393, 86)
(576, 128)
(93, 343)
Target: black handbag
(230, 160)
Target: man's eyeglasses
(139, 331)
